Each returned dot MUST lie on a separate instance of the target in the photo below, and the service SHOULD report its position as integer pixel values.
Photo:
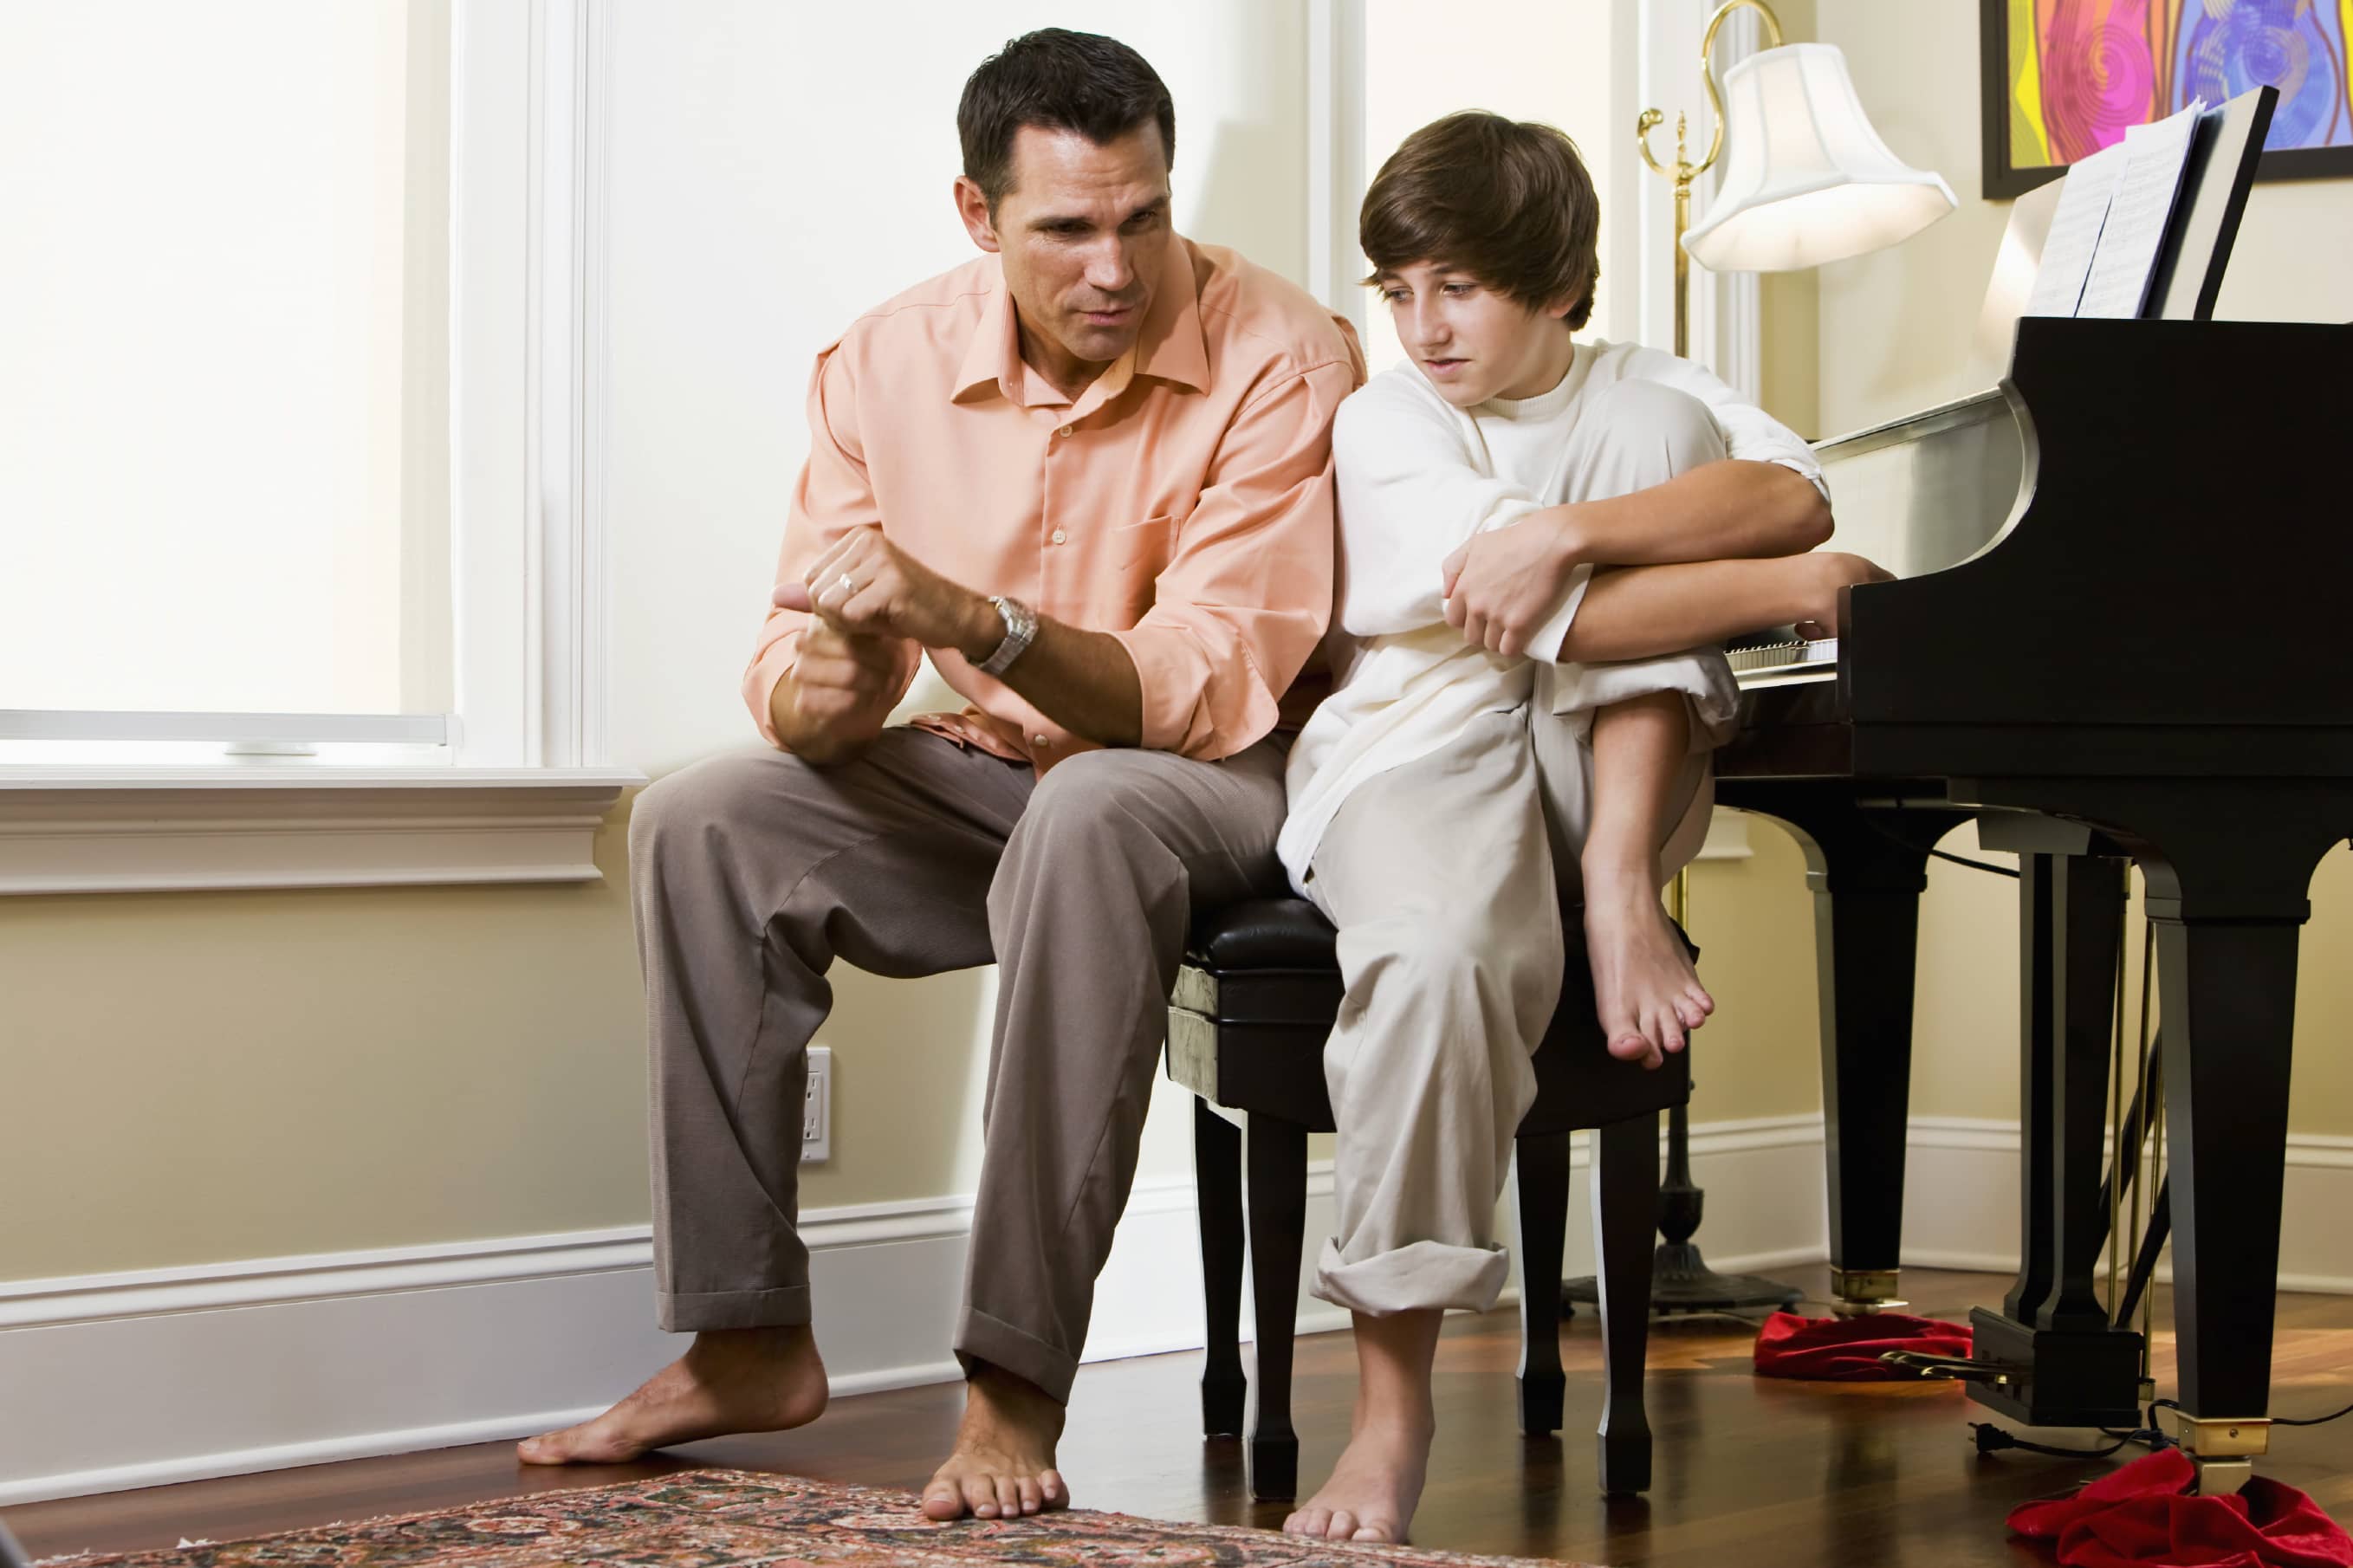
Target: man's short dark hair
(1060, 81)
(1507, 201)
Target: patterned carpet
(707, 1518)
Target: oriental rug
(711, 1519)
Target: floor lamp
(1806, 181)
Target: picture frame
(2136, 61)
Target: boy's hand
(1826, 572)
(1500, 586)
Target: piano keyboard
(1775, 662)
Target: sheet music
(2125, 259)
(2084, 196)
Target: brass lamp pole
(1685, 170)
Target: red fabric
(2141, 1517)
(1847, 1350)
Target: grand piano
(2111, 643)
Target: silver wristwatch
(1021, 630)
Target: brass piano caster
(2224, 1450)
(1860, 1292)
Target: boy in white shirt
(1539, 537)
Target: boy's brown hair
(1507, 201)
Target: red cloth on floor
(2140, 1517)
(1846, 1350)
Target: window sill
(157, 829)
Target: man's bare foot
(1003, 1464)
(1646, 991)
(730, 1380)
(1373, 1488)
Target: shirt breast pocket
(1139, 552)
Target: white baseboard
(130, 1379)
(118, 1381)
(1960, 1203)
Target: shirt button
(1063, 431)
(1060, 536)
(1040, 741)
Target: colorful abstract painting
(2065, 77)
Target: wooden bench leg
(1625, 1222)
(1217, 1173)
(1543, 1166)
(1277, 1155)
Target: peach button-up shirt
(1182, 503)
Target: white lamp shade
(1806, 179)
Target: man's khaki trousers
(753, 872)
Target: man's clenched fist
(868, 587)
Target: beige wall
(201, 1077)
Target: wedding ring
(849, 589)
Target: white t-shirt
(1417, 477)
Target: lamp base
(1681, 1282)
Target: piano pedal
(2057, 1377)
(1949, 1368)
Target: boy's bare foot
(1003, 1466)
(1373, 1488)
(1646, 991)
(730, 1380)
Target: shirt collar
(1171, 347)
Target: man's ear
(972, 207)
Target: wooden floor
(1750, 1471)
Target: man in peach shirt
(1090, 474)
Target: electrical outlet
(816, 1108)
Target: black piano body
(2140, 666)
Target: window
(226, 367)
(295, 350)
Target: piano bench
(1253, 1003)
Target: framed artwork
(2062, 79)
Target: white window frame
(523, 782)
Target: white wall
(1524, 58)
(777, 171)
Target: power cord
(1991, 1438)
(2277, 1420)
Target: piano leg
(2227, 895)
(2228, 988)
(1867, 866)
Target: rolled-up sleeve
(1247, 594)
(832, 497)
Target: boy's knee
(1650, 419)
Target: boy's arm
(1513, 590)
(1728, 510)
(1518, 590)
(1645, 612)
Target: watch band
(1021, 630)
